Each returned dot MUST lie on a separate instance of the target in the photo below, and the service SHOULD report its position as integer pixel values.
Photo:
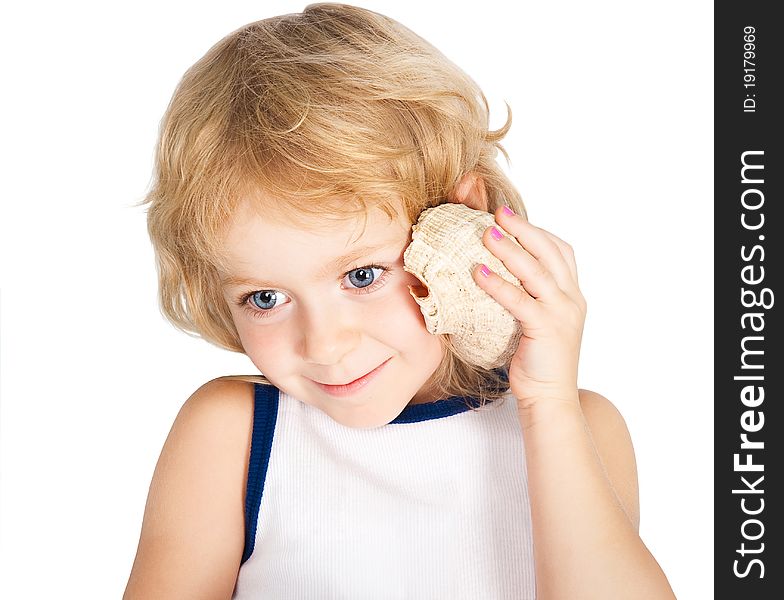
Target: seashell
(446, 245)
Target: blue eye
(264, 303)
(264, 299)
(363, 276)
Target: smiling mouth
(353, 386)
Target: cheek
(401, 312)
(261, 344)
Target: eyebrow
(334, 265)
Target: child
(369, 460)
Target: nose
(328, 337)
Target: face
(326, 314)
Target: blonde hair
(332, 111)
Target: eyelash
(257, 313)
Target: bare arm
(193, 531)
(581, 473)
(584, 503)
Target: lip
(354, 386)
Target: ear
(470, 190)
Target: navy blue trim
(265, 415)
(447, 407)
(434, 410)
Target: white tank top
(433, 505)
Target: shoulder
(214, 425)
(212, 433)
(193, 531)
(210, 438)
(614, 446)
(599, 411)
(228, 400)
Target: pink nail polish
(496, 234)
(485, 271)
(508, 211)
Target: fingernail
(485, 271)
(508, 211)
(496, 234)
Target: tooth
(446, 246)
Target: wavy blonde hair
(332, 111)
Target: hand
(550, 305)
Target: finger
(537, 280)
(515, 299)
(542, 247)
(566, 251)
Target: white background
(611, 147)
